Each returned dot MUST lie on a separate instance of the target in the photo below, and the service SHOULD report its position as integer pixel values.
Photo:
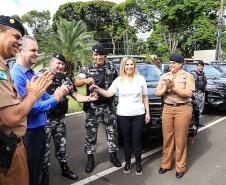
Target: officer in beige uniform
(176, 88)
(13, 109)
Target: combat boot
(66, 172)
(45, 176)
(90, 164)
(114, 160)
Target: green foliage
(73, 105)
(201, 36)
(107, 20)
(36, 20)
(74, 41)
(174, 23)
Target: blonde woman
(132, 110)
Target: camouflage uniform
(102, 110)
(55, 125)
(198, 99)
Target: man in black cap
(199, 94)
(176, 88)
(200, 83)
(13, 109)
(101, 73)
(55, 126)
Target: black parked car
(216, 86)
(152, 75)
(221, 67)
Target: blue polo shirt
(37, 117)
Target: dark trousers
(34, 143)
(131, 128)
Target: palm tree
(74, 42)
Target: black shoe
(114, 160)
(90, 164)
(179, 174)
(45, 176)
(66, 172)
(126, 168)
(138, 169)
(163, 170)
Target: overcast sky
(20, 7)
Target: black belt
(176, 104)
(36, 128)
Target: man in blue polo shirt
(35, 136)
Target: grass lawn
(73, 105)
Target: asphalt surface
(206, 164)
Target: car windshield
(150, 72)
(223, 68)
(209, 70)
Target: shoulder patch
(3, 75)
(191, 77)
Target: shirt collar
(24, 69)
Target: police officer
(13, 109)
(200, 85)
(176, 88)
(101, 73)
(198, 98)
(56, 119)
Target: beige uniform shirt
(9, 96)
(181, 80)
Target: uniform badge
(192, 78)
(12, 21)
(3, 75)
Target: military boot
(45, 176)
(90, 164)
(66, 172)
(114, 160)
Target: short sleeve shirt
(9, 96)
(130, 93)
(181, 80)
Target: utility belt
(8, 144)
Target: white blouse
(130, 94)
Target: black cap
(59, 56)
(13, 23)
(176, 58)
(201, 62)
(98, 48)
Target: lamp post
(220, 24)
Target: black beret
(98, 48)
(59, 56)
(201, 62)
(13, 23)
(176, 58)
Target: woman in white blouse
(132, 110)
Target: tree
(106, 19)
(36, 20)
(39, 24)
(74, 42)
(176, 18)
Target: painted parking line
(145, 155)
